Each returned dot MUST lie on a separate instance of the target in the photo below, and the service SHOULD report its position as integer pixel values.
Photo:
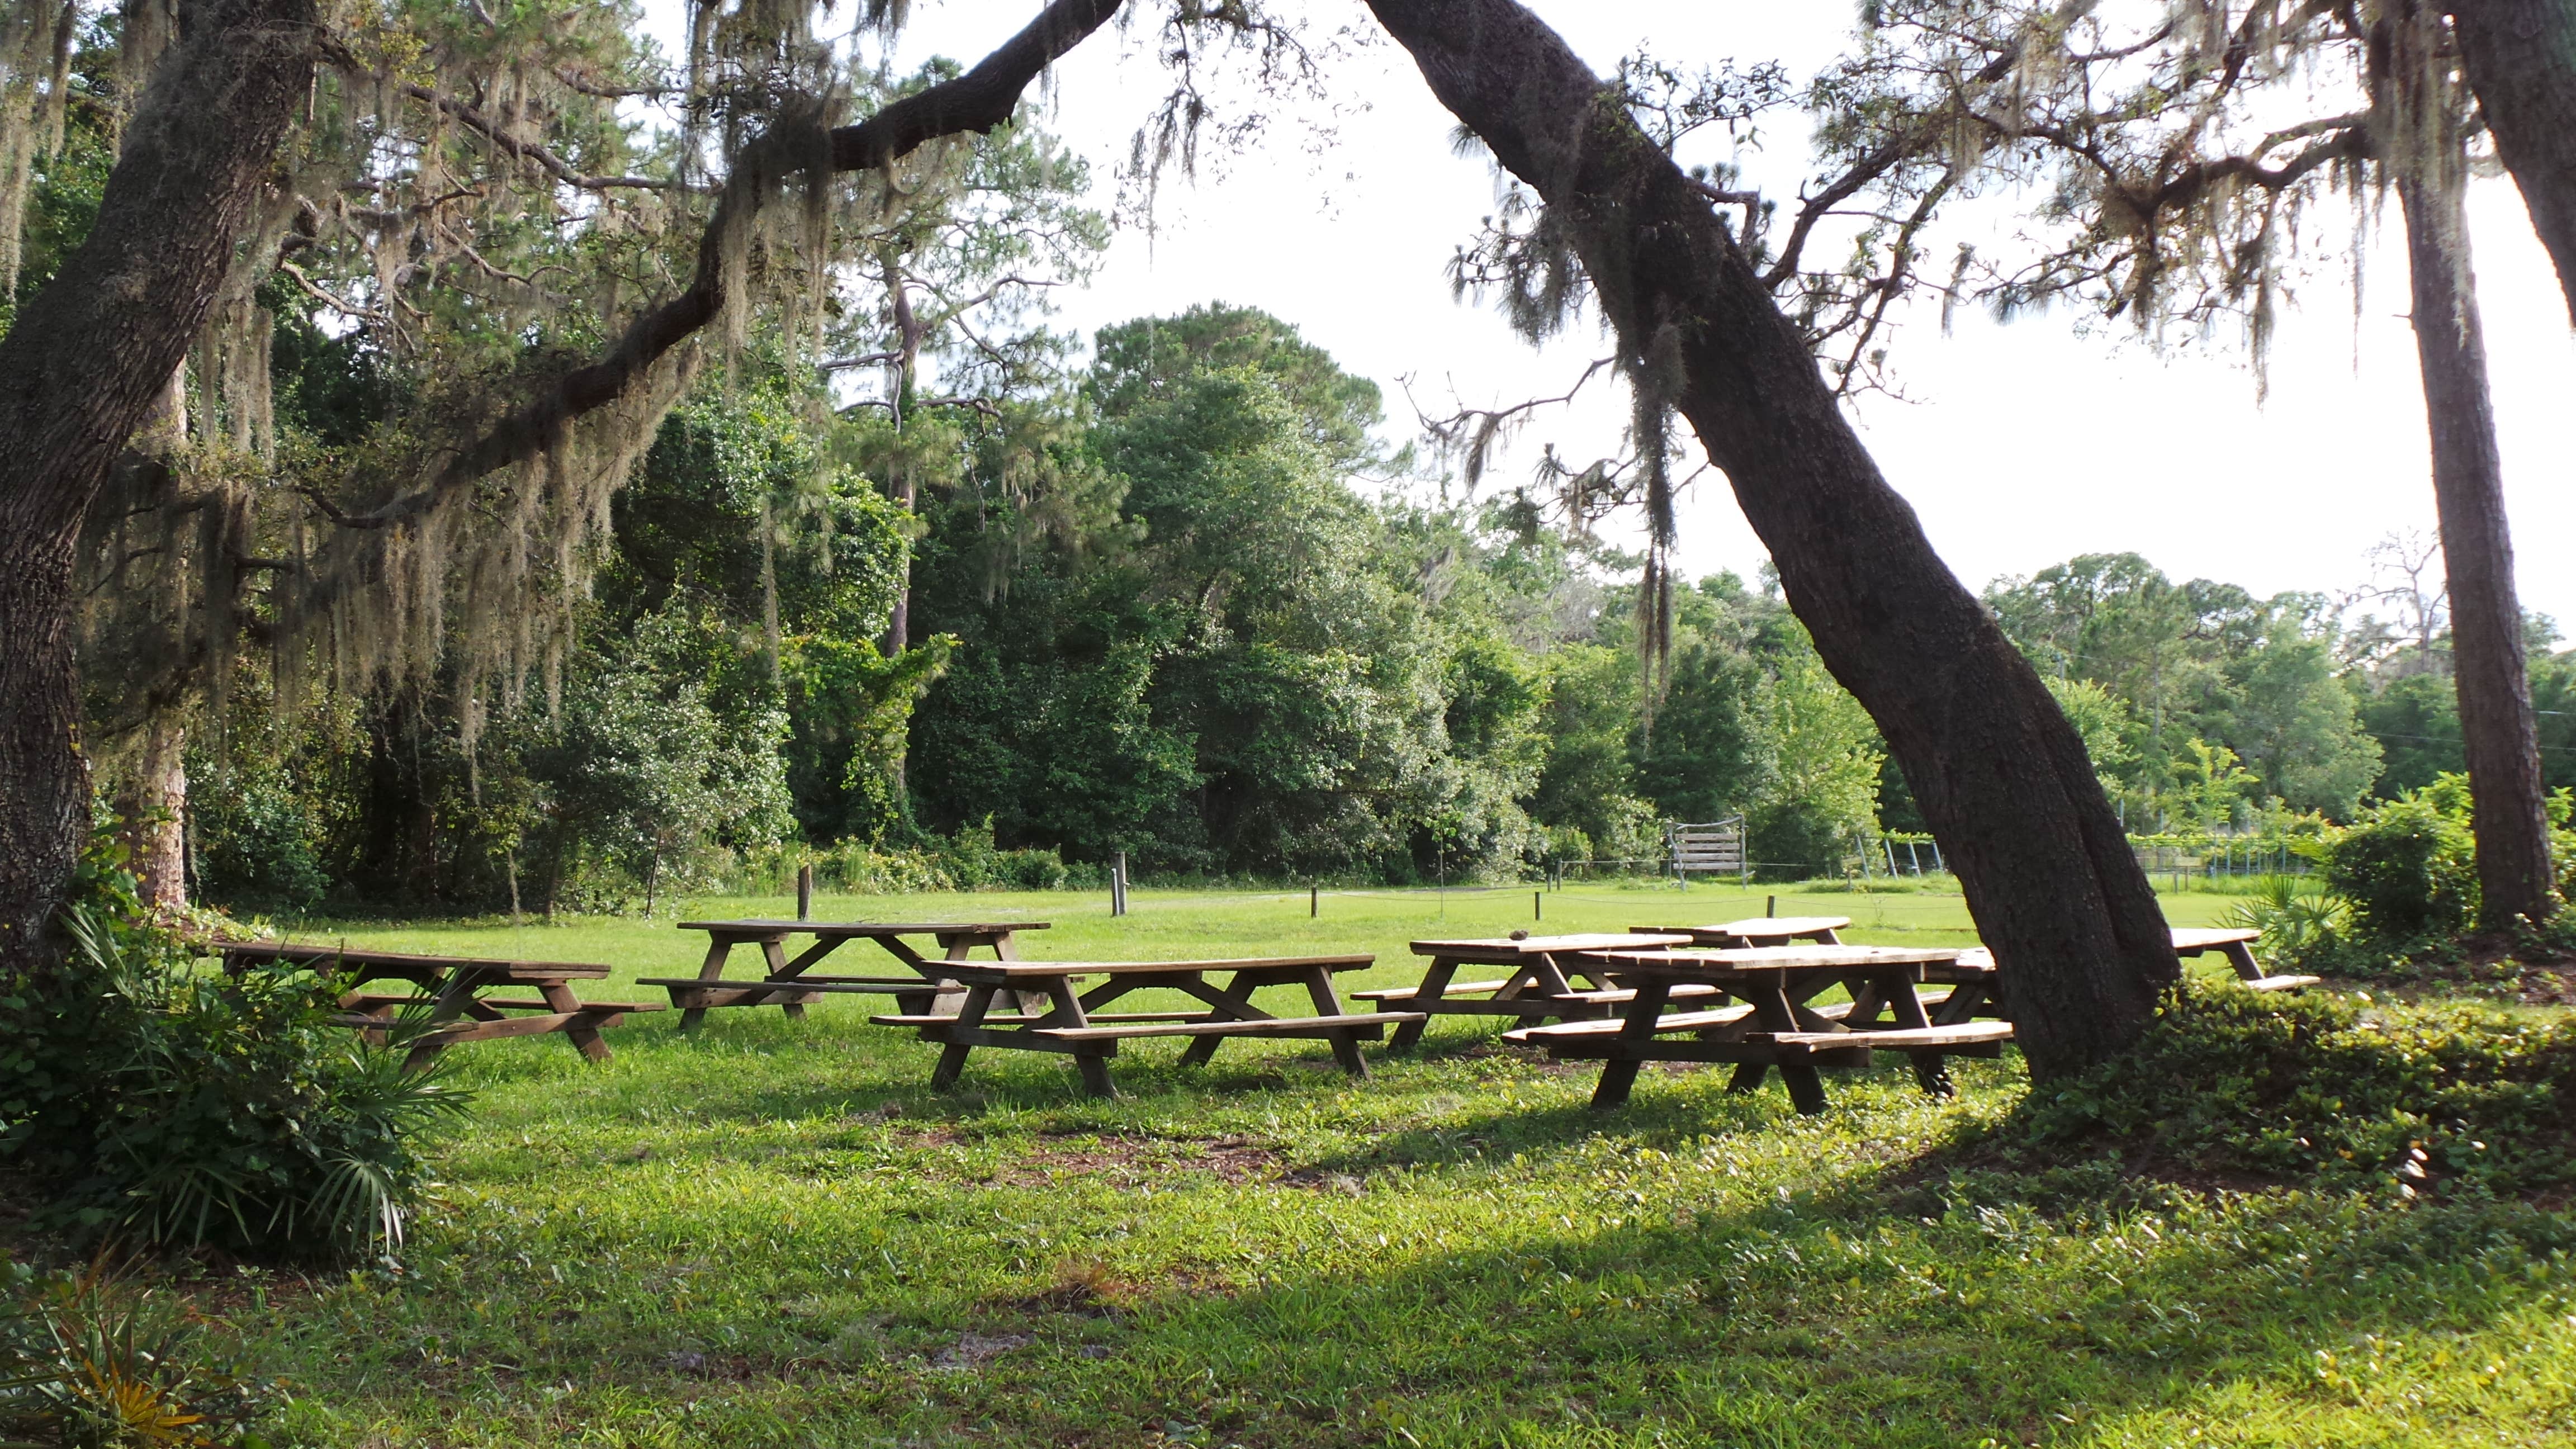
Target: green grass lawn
(774, 1233)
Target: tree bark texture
(86, 361)
(2521, 60)
(2001, 776)
(2499, 735)
(154, 804)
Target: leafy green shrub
(158, 1103)
(2408, 869)
(2317, 1086)
(2295, 916)
(87, 1360)
(971, 860)
(258, 848)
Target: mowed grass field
(774, 1233)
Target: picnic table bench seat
(1364, 1024)
(1671, 1021)
(1610, 997)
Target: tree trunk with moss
(85, 363)
(2002, 777)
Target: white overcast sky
(2020, 445)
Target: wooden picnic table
(1054, 1017)
(1758, 931)
(1540, 980)
(789, 984)
(455, 990)
(1775, 1022)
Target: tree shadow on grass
(1696, 1268)
(1850, 1318)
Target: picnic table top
(1750, 959)
(1765, 926)
(975, 970)
(363, 956)
(2202, 939)
(864, 929)
(1505, 946)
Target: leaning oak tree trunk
(2499, 735)
(87, 359)
(2000, 774)
(2521, 61)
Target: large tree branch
(981, 100)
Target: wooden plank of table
(1823, 929)
(863, 930)
(999, 971)
(1325, 1026)
(302, 954)
(1506, 950)
(2194, 940)
(1714, 965)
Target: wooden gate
(1714, 848)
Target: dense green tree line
(2207, 708)
(1227, 633)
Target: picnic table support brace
(1434, 982)
(952, 1057)
(1619, 1073)
(1346, 1045)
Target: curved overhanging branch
(981, 100)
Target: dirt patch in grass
(1120, 1157)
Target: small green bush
(157, 1103)
(2330, 1088)
(2409, 868)
(970, 859)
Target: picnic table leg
(1866, 999)
(719, 946)
(952, 1057)
(1031, 1002)
(2240, 954)
(1435, 983)
(774, 952)
(455, 998)
(559, 996)
(1931, 1073)
(1960, 1005)
(1618, 1074)
(1748, 1077)
(1806, 1088)
(1346, 1044)
(1236, 998)
(1091, 1059)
